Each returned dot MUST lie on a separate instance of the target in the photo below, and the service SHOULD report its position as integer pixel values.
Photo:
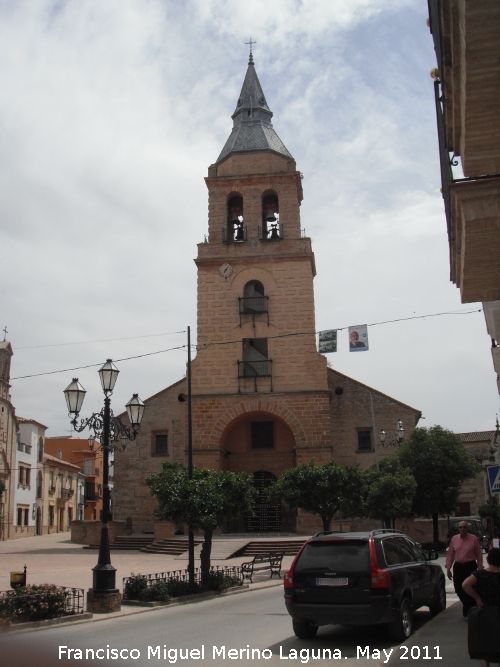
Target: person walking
(484, 587)
(466, 556)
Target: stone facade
(263, 398)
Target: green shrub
(134, 587)
(156, 592)
(33, 603)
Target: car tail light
(288, 578)
(380, 578)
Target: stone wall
(89, 532)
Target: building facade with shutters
(263, 398)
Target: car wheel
(439, 603)
(401, 628)
(304, 630)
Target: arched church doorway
(267, 516)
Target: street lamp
(398, 438)
(108, 429)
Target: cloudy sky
(110, 113)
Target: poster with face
(358, 338)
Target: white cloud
(109, 117)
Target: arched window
(235, 230)
(271, 226)
(254, 299)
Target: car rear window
(350, 555)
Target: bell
(240, 234)
(274, 232)
(234, 219)
(270, 216)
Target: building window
(26, 513)
(262, 435)
(51, 515)
(19, 516)
(271, 227)
(254, 299)
(364, 441)
(24, 476)
(40, 449)
(255, 360)
(464, 509)
(160, 445)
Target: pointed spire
(252, 128)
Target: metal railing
(253, 304)
(271, 232)
(182, 577)
(236, 235)
(66, 493)
(32, 605)
(252, 369)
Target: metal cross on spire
(250, 58)
(5, 332)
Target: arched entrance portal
(267, 516)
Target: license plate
(331, 582)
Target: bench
(270, 561)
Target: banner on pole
(327, 341)
(358, 338)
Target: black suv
(365, 578)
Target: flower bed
(38, 603)
(163, 586)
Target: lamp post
(108, 429)
(398, 438)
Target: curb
(195, 597)
(92, 618)
(47, 623)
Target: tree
(322, 490)
(491, 511)
(204, 502)
(440, 465)
(389, 491)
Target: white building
(28, 475)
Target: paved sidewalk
(54, 559)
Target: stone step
(221, 549)
(288, 547)
(169, 545)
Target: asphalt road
(256, 620)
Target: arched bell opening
(235, 231)
(271, 226)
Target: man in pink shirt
(465, 552)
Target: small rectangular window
(364, 441)
(161, 445)
(19, 516)
(26, 517)
(262, 435)
(51, 515)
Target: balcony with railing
(254, 370)
(66, 494)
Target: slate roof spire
(252, 127)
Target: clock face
(225, 270)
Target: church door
(267, 517)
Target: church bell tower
(260, 392)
